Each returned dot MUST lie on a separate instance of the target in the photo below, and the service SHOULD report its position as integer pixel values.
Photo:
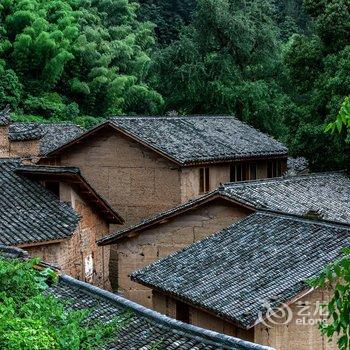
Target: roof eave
(79, 183)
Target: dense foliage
(66, 58)
(337, 276)
(281, 65)
(30, 320)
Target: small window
(204, 180)
(182, 312)
(252, 171)
(243, 172)
(274, 168)
(53, 187)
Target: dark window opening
(53, 187)
(274, 168)
(204, 184)
(243, 172)
(182, 312)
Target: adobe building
(138, 327)
(144, 165)
(32, 140)
(56, 215)
(234, 280)
(323, 195)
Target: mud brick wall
(136, 182)
(30, 148)
(73, 254)
(4, 141)
(155, 243)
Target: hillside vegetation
(282, 66)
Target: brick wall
(4, 141)
(79, 256)
(152, 244)
(135, 181)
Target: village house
(140, 328)
(323, 195)
(55, 214)
(144, 165)
(32, 140)
(231, 281)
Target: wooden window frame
(243, 171)
(204, 180)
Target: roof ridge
(222, 339)
(297, 217)
(175, 116)
(282, 178)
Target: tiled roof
(166, 214)
(145, 328)
(194, 139)
(265, 257)
(297, 165)
(50, 135)
(201, 138)
(5, 117)
(325, 193)
(28, 212)
(77, 181)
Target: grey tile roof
(200, 139)
(51, 135)
(297, 165)
(5, 118)
(263, 258)
(325, 193)
(77, 181)
(28, 212)
(145, 328)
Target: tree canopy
(70, 58)
(281, 65)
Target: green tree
(337, 276)
(317, 70)
(33, 320)
(70, 58)
(169, 16)
(342, 121)
(226, 62)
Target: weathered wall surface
(218, 174)
(190, 180)
(79, 256)
(167, 305)
(155, 243)
(30, 148)
(4, 141)
(301, 332)
(135, 181)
